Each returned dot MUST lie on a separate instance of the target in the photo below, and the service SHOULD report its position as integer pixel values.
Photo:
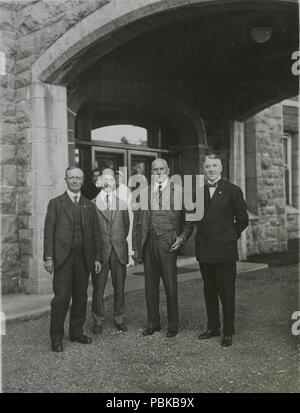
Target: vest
(159, 222)
(77, 236)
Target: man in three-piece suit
(71, 251)
(156, 239)
(113, 228)
(225, 217)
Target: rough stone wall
(293, 223)
(10, 253)
(27, 29)
(264, 132)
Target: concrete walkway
(20, 307)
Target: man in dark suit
(113, 228)
(156, 238)
(225, 217)
(71, 251)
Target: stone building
(196, 75)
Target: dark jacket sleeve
(134, 229)
(240, 211)
(49, 230)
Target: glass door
(108, 158)
(139, 163)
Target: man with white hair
(157, 236)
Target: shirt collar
(72, 194)
(163, 185)
(104, 194)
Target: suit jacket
(113, 233)
(222, 225)
(58, 230)
(141, 221)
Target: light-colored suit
(113, 227)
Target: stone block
(25, 222)
(7, 154)
(24, 154)
(7, 131)
(9, 255)
(25, 241)
(8, 175)
(24, 204)
(23, 79)
(24, 179)
(8, 201)
(10, 281)
(9, 229)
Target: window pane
(126, 134)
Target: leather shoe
(122, 327)
(226, 341)
(150, 331)
(97, 330)
(81, 339)
(57, 347)
(209, 334)
(172, 333)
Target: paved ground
(264, 357)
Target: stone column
(237, 171)
(49, 145)
(266, 183)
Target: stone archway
(112, 18)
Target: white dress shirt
(163, 185)
(103, 196)
(72, 195)
(212, 189)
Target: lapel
(215, 202)
(84, 203)
(115, 205)
(66, 203)
(166, 194)
(102, 209)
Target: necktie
(160, 195)
(75, 199)
(107, 201)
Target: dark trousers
(70, 281)
(118, 276)
(160, 263)
(219, 282)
